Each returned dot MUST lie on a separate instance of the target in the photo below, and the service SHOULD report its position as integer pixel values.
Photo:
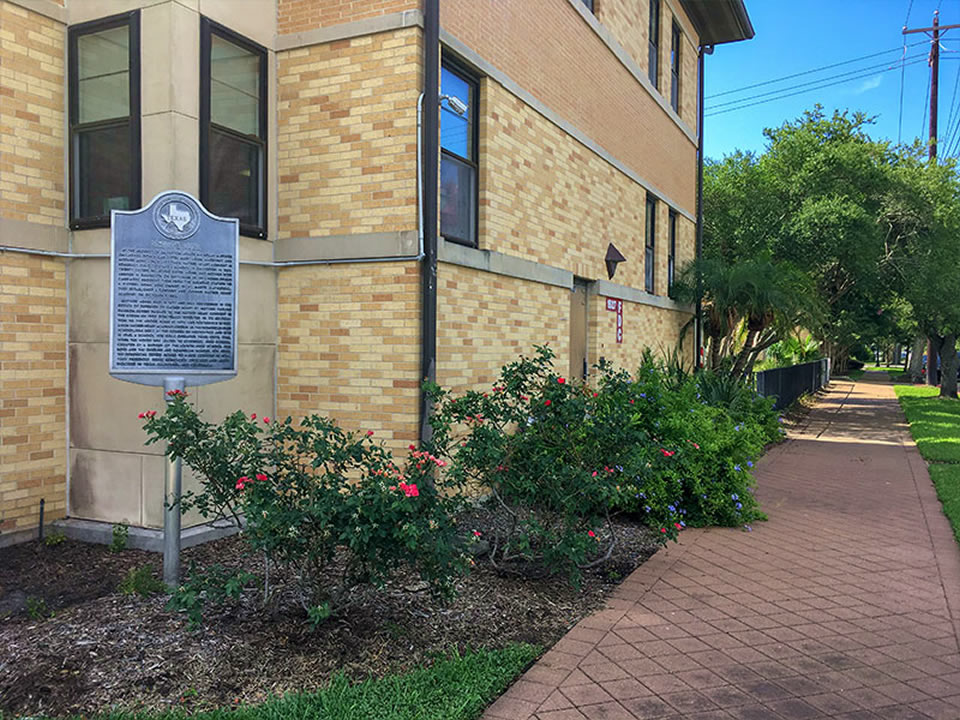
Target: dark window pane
(672, 258)
(456, 200)
(234, 87)
(675, 69)
(456, 131)
(649, 240)
(102, 163)
(648, 269)
(234, 178)
(103, 78)
(653, 57)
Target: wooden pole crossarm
(941, 28)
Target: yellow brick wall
(349, 346)
(33, 384)
(301, 15)
(643, 327)
(347, 135)
(485, 321)
(31, 116)
(600, 97)
(546, 197)
(628, 21)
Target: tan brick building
(565, 126)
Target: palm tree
(764, 300)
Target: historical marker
(173, 293)
(173, 313)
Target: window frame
(473, 80)
(671, 249)
(650, 245)
(653, 49)
(132, 21)
(676, 42)
(208, 28)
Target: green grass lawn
(935, 426)
(946, 478)
(456, 688)
(934, 422)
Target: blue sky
(793, 36)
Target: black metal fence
(789, 383)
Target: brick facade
(542, 45)
(33, 301)
(486, 321)
(347, 135)
(302, 15)
(628, 21)
(349, 346)
(33, 373)
(568, 141)
(31, 116)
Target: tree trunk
(744, 355)
(933, 355)
(949, 363)
(915, 373)
(714, 352)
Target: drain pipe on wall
(698, 342)
(431, 161)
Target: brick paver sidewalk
(846, 604)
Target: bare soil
(72, 643)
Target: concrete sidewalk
(846, 604)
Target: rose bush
(310, 493)
(561, 458)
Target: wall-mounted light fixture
(612, 258)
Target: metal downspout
(431, 161)
(698, 344)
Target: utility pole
(934, 61)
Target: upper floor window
(672, 249)
(675, 37)
(104, 110)
(649, 255)
(233, 127)
(589, 4)
(653, 59)
(458, 157)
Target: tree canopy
(830, 231)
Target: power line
(869, 69)
(813, 70)
(806, 90)
(902, 68)
(953, 105)
(926, 105)
(909, 8)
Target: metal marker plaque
(173, 293)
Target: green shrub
(121, 533)
(141, 581)
(216, 585)
(311, 491)
(563, 457)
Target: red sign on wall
(616, 306)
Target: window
(589, 4)
(104, 86)
(233, 127)
(653, 59)
(649, 256)
(458, 156)
(675, 68)
(672, 250)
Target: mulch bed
(102, 650)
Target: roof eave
(719, 21)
